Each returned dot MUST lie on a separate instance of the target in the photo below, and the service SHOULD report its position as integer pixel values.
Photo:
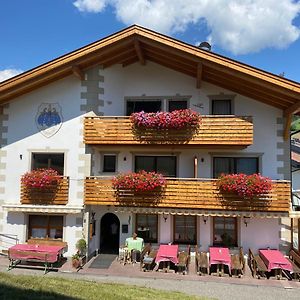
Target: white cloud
(239, 26)
(7, 73)
(93, 6)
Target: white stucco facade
(152, 80)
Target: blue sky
(262, 33)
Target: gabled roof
(138, 44)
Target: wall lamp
(246, 220)
(165, 217)
(129, 220)
(205, 219)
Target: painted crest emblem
(49, 119)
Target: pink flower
(139, 182)
(40, 178)
(176, 119)
(245, 185)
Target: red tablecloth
(167, 253)
(219, 256)
(275, 260)
(52, 251)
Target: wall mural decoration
(49, 119)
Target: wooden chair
(183, 261)
(148, 260)
(257, 265)
(294, 259)
(202, 265)
(238, 263)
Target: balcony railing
(187, 194)
(55, 195)
(214, 131)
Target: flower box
(41, 179)
(139, 182)
(244, 185)
(177, 119)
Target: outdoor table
(167, 254)
(275, 260)
(220, 256)
(134, 244)
(38, 253)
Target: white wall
(260, 233)
(135, 80)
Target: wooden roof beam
(199, 75)
(287, 126)
(139, 52)
(78, 72)
(293, 109)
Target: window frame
(47, 227)
(214, 101)
(235, 235)
(164, 100)
(222, 96)
(103, 162)
(147, 215)
(235, 158)
(180, 242)
(156, 156)
(32, 160)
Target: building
(72, 114)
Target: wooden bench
(294, 259)
(257, 265)
(238, 263)
(47, 242)
(17, 256)
(202, 265)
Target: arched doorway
(110, 234)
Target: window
(48, 160)
(221, 107)
(225, 231)
(43, 226)
(177, 104)
(146, 227)
(185, 230)
(145, 105)
(109, 163)
(233, 165)
(165, 165)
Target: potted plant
(78, 259)
(177, 119)
(41, 179)
(139, 182)
(81, 247)
(244, 185)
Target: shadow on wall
(15, 218)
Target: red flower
(139, 182)
(176, 119)
(245, 185)
(40, 178)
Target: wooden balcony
(214, 132)
(55, 195)
(200, 194)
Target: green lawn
(14, 287)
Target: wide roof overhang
(138, 44)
